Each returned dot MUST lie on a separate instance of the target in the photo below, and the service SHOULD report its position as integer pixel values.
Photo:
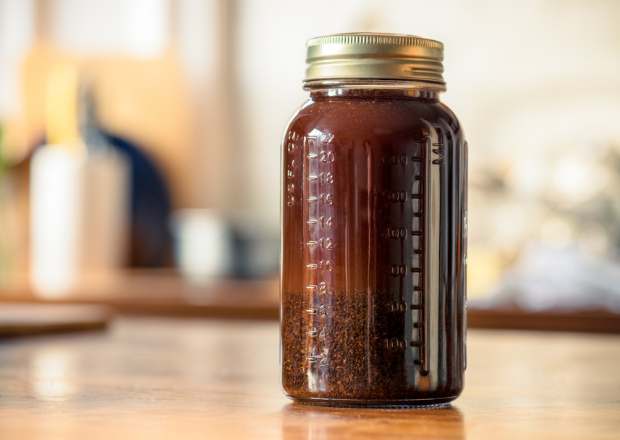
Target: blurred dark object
(150, 237)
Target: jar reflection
(301, 421)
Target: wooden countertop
(171, 378)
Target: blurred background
(140, 150)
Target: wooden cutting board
(35, 319)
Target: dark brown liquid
(353, 250)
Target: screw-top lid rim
(374, 56)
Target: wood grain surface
(170, 378)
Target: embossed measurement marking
(411, 236)
(319, 243)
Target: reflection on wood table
(170, 378)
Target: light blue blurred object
(548, 278)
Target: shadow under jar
(374, 210)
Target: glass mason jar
(374, 224)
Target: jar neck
(376, 89)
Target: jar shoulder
(361, 116)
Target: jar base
(442, 402)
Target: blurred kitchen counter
(165, 293)
(174, 378)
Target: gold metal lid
(360, 56)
